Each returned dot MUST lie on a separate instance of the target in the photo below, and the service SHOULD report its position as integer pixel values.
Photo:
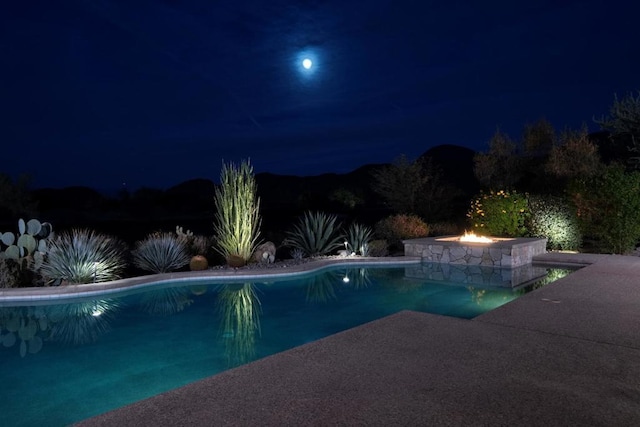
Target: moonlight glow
(307, 63)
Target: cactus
(29, 246)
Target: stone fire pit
(500, 252)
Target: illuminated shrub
(358, 238)
(396, 228)
(237, 220)
(83, 256)
(315, 234)
(553, 218)
(502, 214)
(608, 207)
(161, 253)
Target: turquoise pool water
(65, 362)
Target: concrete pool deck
(565, 354)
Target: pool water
(65, 362)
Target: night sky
(152, 93)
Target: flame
(472, 237)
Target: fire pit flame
(473, 238)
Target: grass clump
(161, 253)
(237, 220)
(84, 256)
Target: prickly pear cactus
(29, 246)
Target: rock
(265, 253)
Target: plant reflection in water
(79, 323)
(239, 308)
(167, 301)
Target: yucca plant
(237, 221)
(160, 253)
(84, 256)
(358, 238)
(315, 234)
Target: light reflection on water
(65, 362)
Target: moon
(306, 63)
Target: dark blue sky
(152, 93)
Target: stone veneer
(475, 275)
(502, 252)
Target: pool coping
(564, 354)
(13, 296)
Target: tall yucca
(237, 220)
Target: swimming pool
(65, 362)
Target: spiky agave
(237, 220)
(358, 238)
(84, 256)
(316, 234)
(160, 252)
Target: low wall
(502, 252)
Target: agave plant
(160, 253)
(84, 256)
(237, 221)
(358, 238)
(315, 234)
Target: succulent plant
(315, 234)
(161, 253)
(28, 247)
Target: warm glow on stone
(472, 237)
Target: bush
(161, 253)
(608, 207)
(315, 234)
(378, 248)
(396, 228)
(9, 274)
(237, 221)
(499, 214)
(553, 218)
(83, 256)
(358, 237)
(444, 229)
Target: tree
(623, 120)
(399, 184)
(538, 138)
(499, 167)
(575, 157)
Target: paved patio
(566, 354)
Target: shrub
(9, 275)
(608, 207)
(237, 220)
(378, 248)
(444, 229)
(83, 256)
(358, 237)
(553, 218)
(396, 228)
(500, 214)
(160, 253)
(315, 234)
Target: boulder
(265, 253)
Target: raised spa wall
(502, 252)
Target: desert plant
(396, 228)
(553, 218)
(160, 253)
(9, 276)
(358, 238)
(502, 213)
(83, 256)
(608, 207)
(237, 221)
(297, 254)
(378, 248)
(315, 234)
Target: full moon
(306, 63)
